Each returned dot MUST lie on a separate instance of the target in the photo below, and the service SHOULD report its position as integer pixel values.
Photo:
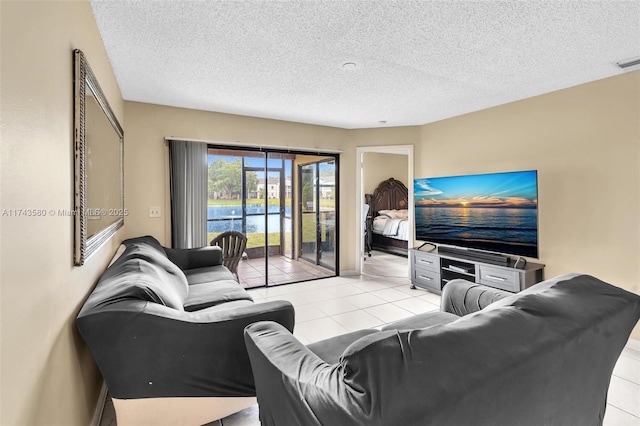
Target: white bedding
(392, 228)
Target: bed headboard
(390, 194)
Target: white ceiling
(416, 61)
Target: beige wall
(585, 144)
(146, 156)
(377, 167)
(48, 376)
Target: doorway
(392, 151)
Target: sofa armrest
(273, 343)
(196, 257)
(461, 297)
(147, 350)
(289, 377)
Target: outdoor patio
(281, 270)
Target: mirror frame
(84, 80)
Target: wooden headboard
(389, 195)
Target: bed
(387, 223)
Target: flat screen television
(496, 212)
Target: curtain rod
(257, 145)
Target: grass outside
(254, 239)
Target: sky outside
(512, 189)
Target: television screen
(496, 212)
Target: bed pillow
(395, 214)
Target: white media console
(432, 270)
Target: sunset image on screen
(495, 212)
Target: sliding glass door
(254, 192)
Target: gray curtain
(189, 181)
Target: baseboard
(102, 399)
(178, 411)
(348, 273)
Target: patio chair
(233, 244)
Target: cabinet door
(425, 271)
(426, 278)
(426, 261)
(500, 278)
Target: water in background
(229, 218)
(501, 225)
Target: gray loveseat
(165, 327)
(540, 357)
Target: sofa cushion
(147, 241)
(467, 298)
(425, 320)
(139, 279)
(330, 350)
(193, 258)
(208, 274)
(205, 295)
(229, 306)
(143, 272)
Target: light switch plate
(155, 212)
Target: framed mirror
(99, 171)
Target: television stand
(434, 269)
(472, 254)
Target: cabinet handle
(493, 277)
(426, 278)
(426, 261)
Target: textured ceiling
(416, 61)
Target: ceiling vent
(630, 64)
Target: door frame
(359, 199)
(317, 191)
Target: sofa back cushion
(548, 351)
(146, 241)
(142, 272)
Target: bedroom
(583, 140)
(378, 167)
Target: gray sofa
(168, 323)
(540, 357)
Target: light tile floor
(333, 306)
(282, 270)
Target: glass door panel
(308, 211)
(327, 214)
(287, 210)
(273, 212)
(254, 204)
(318, 213)
(255, 198)
(224, 195)
(275, 264)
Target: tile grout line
(623, 410)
